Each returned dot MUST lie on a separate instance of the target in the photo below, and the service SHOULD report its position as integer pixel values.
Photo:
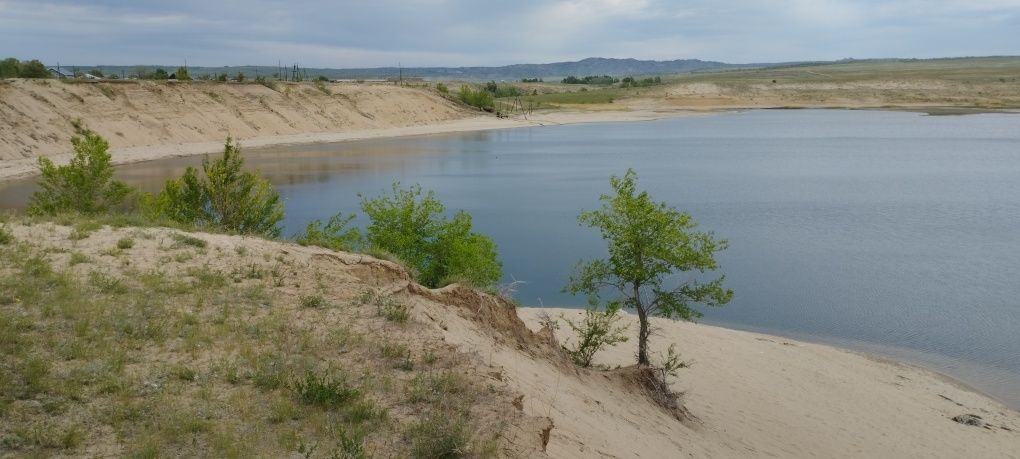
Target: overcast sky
(416, 33)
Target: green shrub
(410, 225)
(598, 330)
(224, 197)
(442, 88)
(480, 99)
(125, 243)
(334, 236)
(85, 185)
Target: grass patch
(440, 435)
(106, 283)
(312, 301)
(182, 240)
(125, 243)
(435, 387)
(327, 391)
(78, 258)
(392, 310)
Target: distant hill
(590, 66)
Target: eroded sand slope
(38, 117)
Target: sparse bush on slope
(597, 331)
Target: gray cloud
(460, 32)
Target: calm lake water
(892, 233)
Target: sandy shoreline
(27, 167)
(764, 395)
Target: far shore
(28, 167)
(635, 110)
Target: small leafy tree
(182, 74)
(410, 225)
(224, 197)
(84, 185)
(595, 332)
(649, 243)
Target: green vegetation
(225, 197)
(531, 80)
(86, 363)
(631, 82)
(182, 74)
(327, 391)
(409, 224)
(440, 437)
(476, 98)
(13, 68)
(442, 88)
(312, 301)
(5, 236)
(602, 80)
(335, 235)
(502, 90)
(143, 73)
(122, 309)
(598, 330)
(85, 185)
(602, 96)
(648, 243)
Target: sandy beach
(766, 396)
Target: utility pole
(400, 68)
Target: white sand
(757, 396)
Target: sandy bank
(145, 120)
(758, 395)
